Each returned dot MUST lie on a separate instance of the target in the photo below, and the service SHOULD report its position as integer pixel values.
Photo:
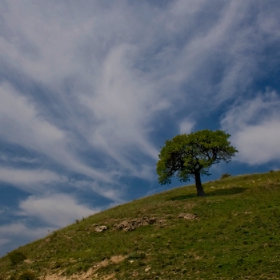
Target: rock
(124, 225)
(129, 225)
(187, 216)
(101, 228)
(147, 269)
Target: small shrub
(137, 255)
(16, 257)
(225, 175)
(27, 275)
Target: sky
(91, 90)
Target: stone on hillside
(187, 216)
(100, 228)
(129, 225)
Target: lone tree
(190, 155)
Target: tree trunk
(199, 187)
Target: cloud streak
(57, 210)
(21, 124)
(30, 178)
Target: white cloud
(259, 144)
(32, 180)
(123, 104)
(19, 118)
(57, 210)
(186, 126)
(20, 123)
(121, 77)
(255, 128)
(110, 192)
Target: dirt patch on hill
(92, 273)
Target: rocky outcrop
(129, 225)
(187, 216)
(101, 228)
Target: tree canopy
(191, 155)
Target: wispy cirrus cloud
(21, 124)
(111, 80)
(56, 210)
(30, 180)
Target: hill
(232, 233)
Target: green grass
(236, 236)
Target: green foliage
(188, 154)
(27, 275)
(16, 257)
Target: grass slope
(235, 235)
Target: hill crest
(232, 232)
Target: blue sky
(90, 91)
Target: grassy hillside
(232, 233)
